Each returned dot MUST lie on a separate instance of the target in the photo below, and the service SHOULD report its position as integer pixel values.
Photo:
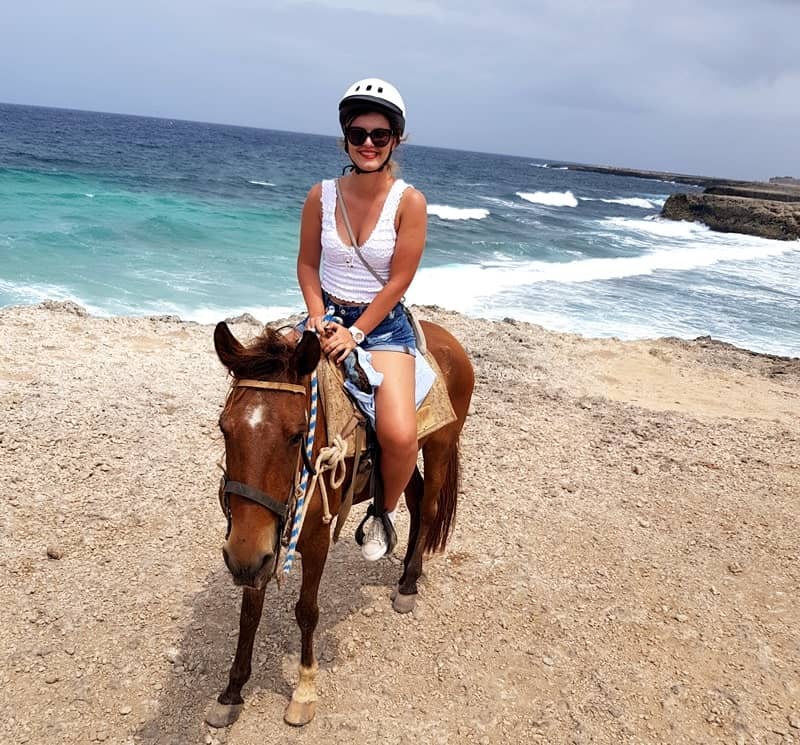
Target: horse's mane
(266, 356)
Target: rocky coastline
(768, 209)
(678, 178)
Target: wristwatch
(357, 334)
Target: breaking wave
(550, 198)
(645, 204)
(445, 212)
(459, 286)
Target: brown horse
(264, 429)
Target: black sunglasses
(358, 136)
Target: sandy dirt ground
(625, 565)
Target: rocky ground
(625, 566)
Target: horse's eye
(297, 438)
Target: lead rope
(301, 493)
(331, 458)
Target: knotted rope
(330, 458)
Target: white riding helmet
(376, 95)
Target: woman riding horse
(270, 405)
(388, 220)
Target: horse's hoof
(297, 714)
(223, 715)
(404, 603)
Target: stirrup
(360, 528)
(388, 528)
(391, 533)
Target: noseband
(227, 487)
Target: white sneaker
(375, 543)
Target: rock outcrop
(668, 176)
(766, 210)
(769, 209)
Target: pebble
(54, 552)
(52, 678)
(367, 612)
(548, 661)
(735, 567)
(794, 721)
(635, 469)
(681, 618)
(644, 523)
(174, 656)
(125, 710)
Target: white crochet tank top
(342, 273)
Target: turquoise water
(129, 215)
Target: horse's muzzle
(255, 575)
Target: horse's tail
(439, 531)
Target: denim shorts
(393, 334)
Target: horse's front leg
(314, 550)
(227, 707)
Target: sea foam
(445, 212)
(261, 183)
(459, 286)
(549, 198)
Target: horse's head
(264, 429)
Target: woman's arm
(411, 233)
(309, 256)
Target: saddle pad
(434, 412)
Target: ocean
(130, 215)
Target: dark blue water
(133, 215)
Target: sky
(707, 87)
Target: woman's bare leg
(396, 422)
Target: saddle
(341, 413)
(344, 419)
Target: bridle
(228, 487)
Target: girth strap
(256, 495)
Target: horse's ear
(306, 354)
(229, 350)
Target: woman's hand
(337, 342)
(317, 324)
